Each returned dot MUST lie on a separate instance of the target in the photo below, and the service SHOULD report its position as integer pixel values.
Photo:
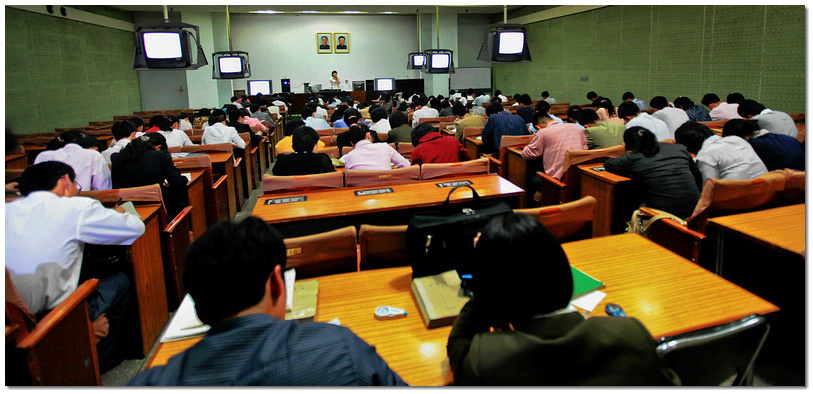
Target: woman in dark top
(667, 174)
(304, 160)
(145, 161)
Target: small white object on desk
(589, 301)
(290, 278)
(185, 323)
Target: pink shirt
(253, 122)
(92, 172)
(552, 142)
(373, 157)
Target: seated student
(695, 136)
(594, 98)
(92, 172)
(139, 124)
(338, 113)
(286, 144)
(45, 236)
(667, 173)
(351, 116)
(445, 108)
(633, 117)
(466, 118)
(697, 113)
(542, 107)
(155, 124)
(500, 123)
(546, 97)
(261, 114)
(600, 134)
(123, 132)
(234, 273)
(551, 142)
(516, 98)
(628, 96)
(145, 161)
(304, 160)
(252, 122)
(90, 142)
(423, 111)
(719, 109)
(380, 122)
(433, 147)
(777, 151)
(520, 330)
(183, 122)
(525, 111)
(174, 136)
(203, 117)
(673, 117)
(258, 100)
(401, 131)
(730, 157)
(236, 102)
(368, 155)
(607, 112)
(312, 121)
(218, 132)
(774, 121)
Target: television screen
(230, 64)
(440, 60)
(162, 45)
(255, 87)
(511, 42)
(384, 84)
(418, 60)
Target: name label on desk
(454, 184)
(373, 191)
(285, 200)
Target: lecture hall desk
(223, 164)
(195, 193)
(669, 294)
(614, 199)
(148, 277)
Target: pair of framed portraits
(332, 42)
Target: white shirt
(176, 138)
(45, 237)
(382, 126)
(673, 117)
(219, 133)
(89, 165)
(729, 158)
(115, 148)
(423, 112)
(725, 111)
(317, 123)
(321, 112)
(777, 122)
(184, 124)
(655, 125)
(550, 100)
(503, 98)
(277, 103)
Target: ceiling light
(310, 12)
(267, 12)
(351, 12)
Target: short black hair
(591, 94)
(749, 107)
(291, 126)
(254, 108)
(710, 98)
(156, 139)
(526, 99)
(542, 106)
(307, 112)
(497, 92)
(658, 102)
(234, 116)
(357, 133)
(156, 120)
(421, 130)
(378, 114)
(422, 101)
(227, 267)
(137, 121)
(43, 176)
(740, 127)
(122, 129)
(587, 116)
(691, 134)
(735, 98)
(627, 108)
(397, 119)
(545, 93)
(304, 139)
(640, 140)
(217, 115)
(608, 105)
(351, 115)
(573, 113)
(494, 108)
(627, 95)
(684, 103)
(457, 110)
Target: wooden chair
(61, 348)
(382, 247)
(472, 132)
(798, 118)
(249, 166)
(444, 170)
(325, 132)
(224, 147)
(347, 149)
(499, 165)
(404, 148)
(432, 120)
(375, 178)
(340, 130)
(328, 253)
(284, 184)
(555, 191)
(238, 172)
(568, 222)
(332, 151)
(794, 188)
(675, 237)
(215, 192)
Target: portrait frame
(336, 38)
(319, 47)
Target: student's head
(53, 176)
(12, 142)
(627, 110)
(137, 122)
(422, 101)
(710, 98)
(235, 266)
(89, 142)
(627, 96)
(292, 125)
(573, 113)
(525, 99)
(122, 129)
(742, 128)
(235, 117)
(545, 94)
(65, 138)
(234, 98)
(136, 148)
(304, 139)
(351, 116)
(420, 131)
(497, 92)
(533, 276)
(357, 133)
(735, 98)
(183, 116)
(458, 110)
(640, 140)
(397, 119)
(591, 95)
(684, 103)
(217, 116)
(334, 73)
(470, 92)
(435, 103)
(541, 120)
(607, 105)
(156, 139)
(307, 112)
(377, 114)
(254, 108)
(542, 107)
(156, 120)
(587, 116)
(692, 134)
(494, 108)
(204, 112)
(452, 92)
(168, 124)
(230, 108)
(658, 102)
(749, 108)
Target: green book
(583, 283)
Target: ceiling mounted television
(167, 46)
(230, 65)
(505, 44)
(259, 86)
(416, 61)
(384, 84)
(438, 61)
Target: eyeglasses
(78, 187)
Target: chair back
(574, 157)
(568, 187)
(568, 222)
(710, 356)
(472, 132)
(443, 170)
(405, 148)
(149, 193)
(283, 184)
(386, 177)
(340, 130)
(382, 247)
(431, 120)
(327, 253)
(794, 188)
(331, 151)
(325, 132)
(224, 147)
(347, 149)
(508, 141)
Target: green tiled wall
(62, 73)
(668, 51)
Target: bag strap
(473, 192)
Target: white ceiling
(326, 8)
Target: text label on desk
(285, 200)
(454, 184)
(373, 191)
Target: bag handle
(473, 192)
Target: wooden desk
(781, 229)
(614, 199)
(473, 145)
(148, 277)
(17, 161)
(195, 192)
(32, 150)
(330, 209)
(515, 171)
(223, 164)
(669, 294)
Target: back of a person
(302, 163)
(698, 113)
(370, 156)
(777, 122)
(142, 172)
(725, 111)
(554, 141)
(217, 133)
(437, 148)
(176, 137)
(779, 151)
(402, 133)
(655, 125)
(605, 134)
(526, 113)
(317, 123)
(504, 123)
(730, 158)
(673, 117)
(469, 120)
(90, 166)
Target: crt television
(438, 61)
(416, 61)
(384, 84)
(260, 86)
(230, 65)
(505, 44)
(166, 49)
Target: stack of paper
(185, 323)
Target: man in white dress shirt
(312, 121)
(673, 117)
(423, 111)
(632, 116)
(123, 132)
(218, 132)
(776, 122)
(91, 170)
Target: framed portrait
(341, 41)
(324, 43)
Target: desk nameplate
(454, 183)
(285, 200)
(370, 192)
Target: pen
(118, 202)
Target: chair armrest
(548, 178)
(52, 319)
(219, 182)
(493, 164)
(183, 215)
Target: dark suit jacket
(154, 166)
(558, 350)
